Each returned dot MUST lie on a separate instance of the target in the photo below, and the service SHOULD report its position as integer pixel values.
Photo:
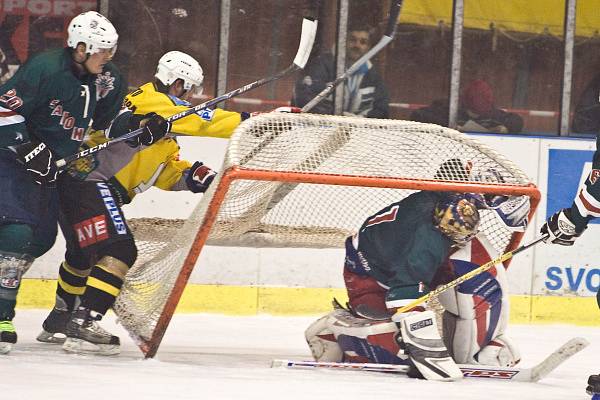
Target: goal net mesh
(317, 179)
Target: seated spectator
(476, 113)
(587, 112)
(364, 92)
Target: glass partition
(148, 29)
(512, 66)
(512, 53)
(27, 28)
(263, 40)
(585, 89)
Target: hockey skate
(85, 336)
(8, 336)
(53, 328)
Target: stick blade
(559, 356)
(307, 39)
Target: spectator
(476, 112)
(364, 92)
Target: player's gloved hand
(560, 229)
(199, 177)
(39, 161)
(155, 128)
(288, 109)
(593, 385)
(245, 115)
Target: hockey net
(302, 180)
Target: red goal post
(303, 180)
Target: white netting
(273, 213)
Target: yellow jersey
(132, 170)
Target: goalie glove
(199, 177)
(38, 159)
(512, 211)
(560, 229)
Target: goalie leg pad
(501, 352)
(477, 311)
(364, 340)
(426, 348)
(322, 342)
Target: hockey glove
(155, 128)
(288, 109)
(560, 229)
(38, 159)
(593, 385)
(199, 177)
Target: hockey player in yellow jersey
(100, 245)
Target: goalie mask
(457, 218)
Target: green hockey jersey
(401, 247)
(48, 100)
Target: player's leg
(96, 221)
(72, 278)
(23, 205)
(363, 292)
(477, 311)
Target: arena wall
(547, 283)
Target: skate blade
(5, 348)
(79, 346)
(53, 338)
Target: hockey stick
(285, 188)
(469, 275)
(307, 38)
(533, 374)
(388, 36)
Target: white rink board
(541, 270)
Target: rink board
(546, 282)
(251, 300)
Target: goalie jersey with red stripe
(400, 247)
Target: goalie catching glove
(560, 229)
(38, 159)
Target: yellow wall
(248, 300)
(532, 16)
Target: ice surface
(205, 356)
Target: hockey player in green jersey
(45, 110)
(100, 245)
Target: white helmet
(93, 29)
(177, 65)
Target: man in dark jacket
(364, 92)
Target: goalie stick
(533, 374)
(307, 38)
